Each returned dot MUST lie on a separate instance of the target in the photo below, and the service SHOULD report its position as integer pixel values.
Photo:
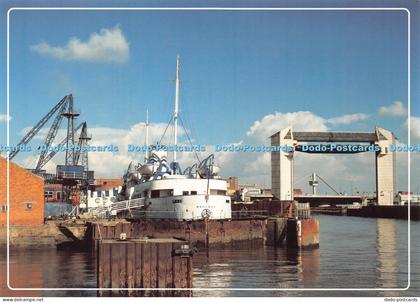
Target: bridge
(332, 200)
(282, 162)
(316, 200)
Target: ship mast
(147, 133)
(176, 112)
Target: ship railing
(118, 206)
(126, 204)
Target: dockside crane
(63, 109)
(74, 174)
(81, 156)
(42, 162)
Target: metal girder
(82, 155)
(70, 115)
(51, 136)
(51, 154)
(37, 127)
(360, 137)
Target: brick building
(233, 183)
(103, 184)
(26, 195)
(54, 193)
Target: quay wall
(33, 236)
(396, 212)
(199, 233)
(213, 233)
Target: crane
(60, 106)
(46, 158)
(63, 109)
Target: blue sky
(236, 67)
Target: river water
(354, 253)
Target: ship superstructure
(166, 191)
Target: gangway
(119, 206)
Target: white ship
(165, 191)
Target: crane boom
(51, 154)
(83, 138)
(37, 127)
(51, 135)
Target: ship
(166, 191)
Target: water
(354, 253)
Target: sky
(244, 76)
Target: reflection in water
(37, 268)
(354, 252)
(386, 245)
(255, 268)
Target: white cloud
(254, 167)
(343, 172)
(261, 130)
(108, 164)
(348, 119)
(414, 127)
(108, 46)
(5, 117)
(396, 109)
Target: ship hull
(186, 198)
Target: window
(29, 206)
(107, 193)
(58, 195)
(48, 194)
(99, 193)
(162, 193)
(4, 208)
(193, 192)
(185, 193)
(227, 200)
(217, 192)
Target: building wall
(282, 166)
(232, 183)
(108, 183)
(402, 198)
(385, 168)
(54, 193)
(26, 196)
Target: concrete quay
(274, 231)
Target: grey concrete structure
(282, 161)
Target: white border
(214, 9)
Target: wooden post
(144, 263)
